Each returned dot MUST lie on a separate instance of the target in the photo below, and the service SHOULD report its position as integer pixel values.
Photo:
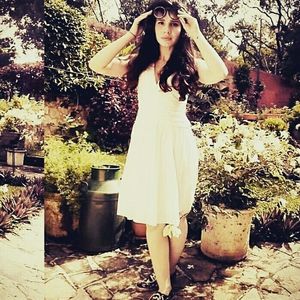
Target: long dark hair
(181, 62)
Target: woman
(161, 169)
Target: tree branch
(260, 10)
(214, 17)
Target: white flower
(244, 130)
(221, 140)
(228, 168)
(294, 193)
(226, 122)
(217, 155)
(258, 145)
(253, 159)
(282, 202)
(284, 134)
(201, 154)
(171, 230)
(4, 188)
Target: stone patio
(22, 261)
(269, 272)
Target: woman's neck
(165, 53)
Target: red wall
(276, 91)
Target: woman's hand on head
(136, 27)
(189, 23)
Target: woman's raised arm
(211, 68)
(105, 61)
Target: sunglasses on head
(160, 12)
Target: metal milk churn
(99, 226)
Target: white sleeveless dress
(161, 170)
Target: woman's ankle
(166, 291)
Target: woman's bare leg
(177, 244)
(158, 246)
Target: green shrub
(69, 46)
(278, 225)
(22, 79)
(68, 164)
(19, 206)
(296, 110)
(275, 124)
(111, 116)
(23, 115)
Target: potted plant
(20, 120)
(233, 157)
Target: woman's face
(167, 31)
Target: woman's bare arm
(211, 68)
(105, 61)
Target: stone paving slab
(269, 272)
(22, 261)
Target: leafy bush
(111, 116)
(248, 91)
(7, 191)
(22, 79)
(18, 207)
(242, 79)
(7, 177)
(234, 156)
(69, 163)
(23, 115)
(275, 124)
(7, 51)
(68, 45)
(276, 225)
(200, 106)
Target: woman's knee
(156, 228)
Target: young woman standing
(161, 170)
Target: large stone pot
(59, 222)
(226, 236)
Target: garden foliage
(234, 156)
(69, 46)
(22, 79)
(68, 164)
(111, 116)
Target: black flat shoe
(160, 296)
(150, 283)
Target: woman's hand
(136, 27)
(189, 24)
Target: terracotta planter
(226, 237)
(139, 229)
(15, 157)
(58, 222)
